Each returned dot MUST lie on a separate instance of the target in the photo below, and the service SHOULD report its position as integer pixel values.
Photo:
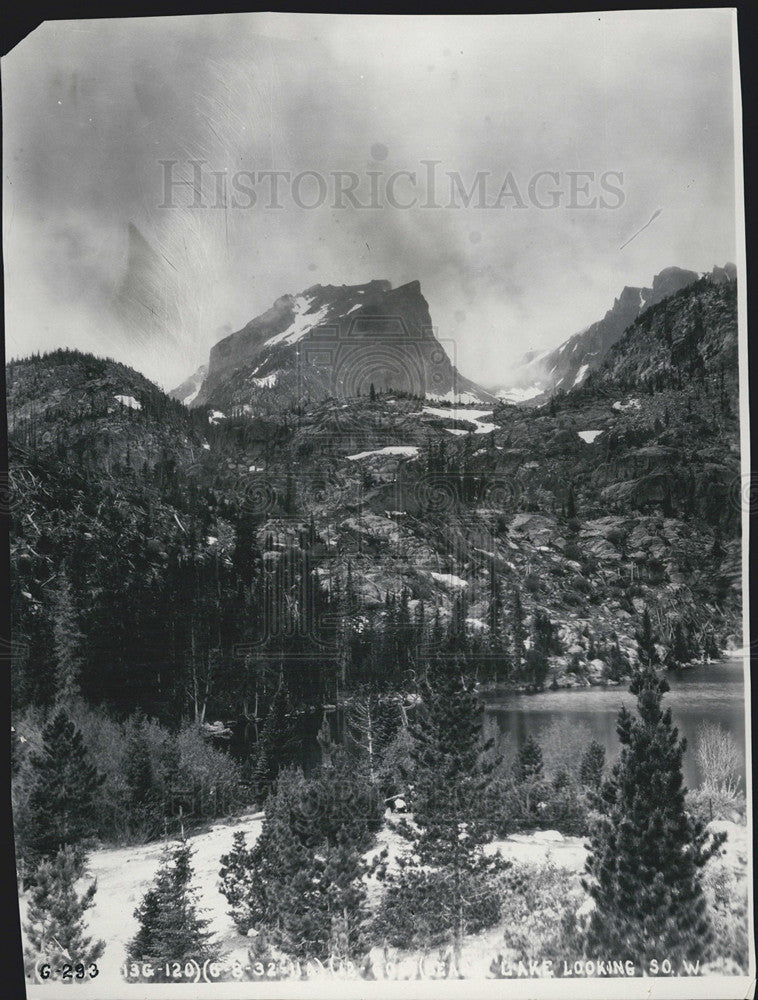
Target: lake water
(710, 693)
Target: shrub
(537, 805)
(418, 910)
(728, 907)
(718, 757)
(707, 803)
(147, 774)
(538, 906)
(211, 776)
(55, 925)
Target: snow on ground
(206, 446)
(630, 404)
(125, 874)
(193, 395)
(588, 436)
(449, 580)
(541, 847)
(474, 417)
(581, 373)
(266, 381)
(129, 401)
(408, 450)
(216, 415)
(301, 324)
(456, 430)
(455, 414)
(519, 395)
(461, 398)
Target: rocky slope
(331, 341)
(617, 496)
(541, 373)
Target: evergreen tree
(648, 654)
(145, 807)
(452, 774)
(372, 393)
(62, 802)
(275, 744)
(236, 881)
(55, 924)
(529, 761)
(303, 881)
(592, 766)
(170, 927)
(518, 631)
(717, 549)
(67, 640)
(680, 649)
(495, 608)
(571, 504)
(647, 852)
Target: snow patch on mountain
(472, 416)
(129, 401)
(303, 322)
(581, 373)
(588, 436)
(521, 395)
(408, 451)
(266, 381)
(449, 580)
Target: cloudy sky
(95, 114)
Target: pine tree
(570, 504)
(648, 654)
(235, 881)
(170, 927)
(372, 392)
(145, 809)
(452, 774)
(529, 761)
(592, 766)
(680, 650)
(55, 924)
(62, 808)
(495, 608)
(67, 641)
(303, 881)
(518, 631)
(717, 549)
(647, 852)
(275, 744)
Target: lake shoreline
(571, 681)
(702, 693)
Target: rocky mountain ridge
(331, 341)
(539, 374)
(616, 497)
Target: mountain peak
(536, 377)
(331, 340)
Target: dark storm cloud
(91, 108)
